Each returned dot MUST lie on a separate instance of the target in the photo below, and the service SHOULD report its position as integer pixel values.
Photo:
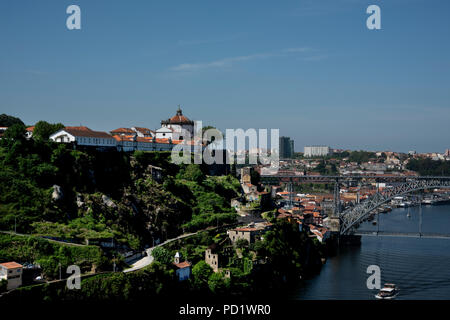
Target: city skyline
(311, 69)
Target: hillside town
(309, 206)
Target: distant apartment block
(447, 153)
(316, 151)
(286, 147)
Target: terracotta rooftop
(183, 264)
(178, 119)
(11, 265)
(122, 130)
(86, 132)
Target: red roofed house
(321, 233)
(29, 133)
(83, 136)
(183, 268)
(11, 272)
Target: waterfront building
(316, 151)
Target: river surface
(419, 267)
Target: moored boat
(389, 291)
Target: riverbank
(418, 266)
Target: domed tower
(180, 125)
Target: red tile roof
(178, 119)
(86, 132)
(182, 265)
(11, 265)
(122, 130)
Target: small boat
(389, 291)
(428, 201)
(374, 223)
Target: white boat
(405, 204)
(389, 291)
(428, 201)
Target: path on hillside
(147, 260)
(44, 237)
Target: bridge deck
(403, 234)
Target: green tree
(43, 129)
(8, 121)
(16, 132)
(162, 255)
(193, 173)
(201, 273)
(217, 283)
(241, 243)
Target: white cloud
(228, 62)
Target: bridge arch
(354, 215)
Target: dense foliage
(50, 254)
(8, 121)
(50, 189)
(429, 167)
(43, 130)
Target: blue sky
(308, 67)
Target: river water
(419, 267)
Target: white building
(83, 136)
(316, 151)
(164, 133)
(11, 272)
(180, 126)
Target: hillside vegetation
(50, 189)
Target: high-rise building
(316, 151)
(447, 153)
(286, 147)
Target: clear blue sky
(308, 67)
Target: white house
(83, 136)
(29, 133)
(164, 133)
(11, 272)
(143, 132)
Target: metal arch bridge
(351, 217)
